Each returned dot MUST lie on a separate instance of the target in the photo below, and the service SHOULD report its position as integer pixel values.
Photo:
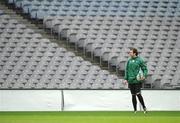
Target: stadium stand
(106, 29)
(29, 61)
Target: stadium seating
(29, 61)
(107, 29)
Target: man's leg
(133, 92)
(141, 100)
(134, 101)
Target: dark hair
(134, 51)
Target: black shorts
(135, 88)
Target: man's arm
(126, 71)
(144, 68)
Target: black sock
(134, 101)
(141, 100)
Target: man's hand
(125, 82)
(142, 78)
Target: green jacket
(132, 69)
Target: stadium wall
(85, 100)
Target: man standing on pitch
(134, 78)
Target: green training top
(132, 69)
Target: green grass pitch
(91, 117)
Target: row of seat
(96, 3)
(114, 36)
(110, 34)
(112, 8)
(159, 41)
(36, 63)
